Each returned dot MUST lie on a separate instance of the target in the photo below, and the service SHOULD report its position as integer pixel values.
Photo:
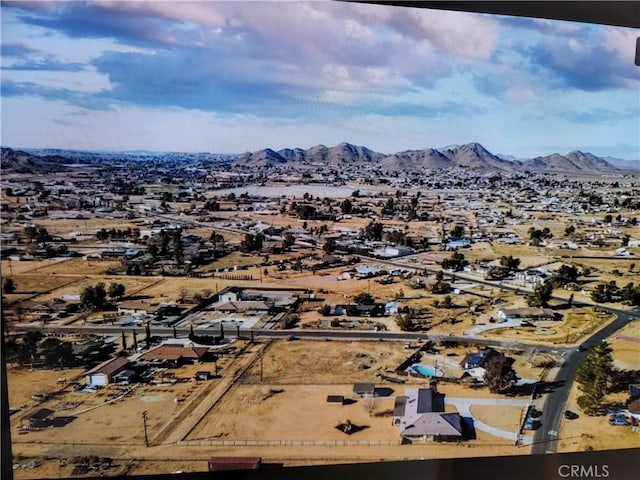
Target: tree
(93, 297)
(630, 294)
(541, 295)
(288, 240)
(499, 374)
(116, 290)
(456, 263)
(510, 262)
(457, 231)
(405, 320)
(325, 310)
(565, 274)
(9, 285)
(593, 376)
(364, 299)
(346, 206)
(251, 242)
(329, 246)
(447, 302)
(370, 402)
(306, 212)
(373, 231)
(605, 292)
(569, 231)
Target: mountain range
(472, 155)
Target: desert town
(177, 313)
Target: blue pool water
(425, 370)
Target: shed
(335, 399)
(202, 375)
(103, 374)
(363, 390)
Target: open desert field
(626, 347)
(320, 362)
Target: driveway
(463, 405)
(491, 326)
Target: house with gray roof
(420, 416)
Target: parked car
(569, 415)
(618, 419)
(531, 424)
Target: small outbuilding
(104, 373)
(364, 390)
(335, 399)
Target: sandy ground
(626, 347)
(295, 407)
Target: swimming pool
(425, 370)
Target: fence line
(286, 443)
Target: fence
(286, 443)
(225, 276)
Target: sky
(230, 77)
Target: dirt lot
(626, 347)
(319, 362)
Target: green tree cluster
(499, 374)
(510, 262)
(93, 297)
(541, 295)
(456, 263)
(593, 376)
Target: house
(364, 390)
(243, 306)
(391, 308)
(477, 359)
(135, 307)
(420, 415)
(104, 373)
(529, 313)
(174, 354)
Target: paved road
(546, 437)
(317, 334)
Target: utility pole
(144, 425)
(261, 366)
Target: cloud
(15, 50)
(9, 88)
(587, 63)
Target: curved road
(545, 439)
